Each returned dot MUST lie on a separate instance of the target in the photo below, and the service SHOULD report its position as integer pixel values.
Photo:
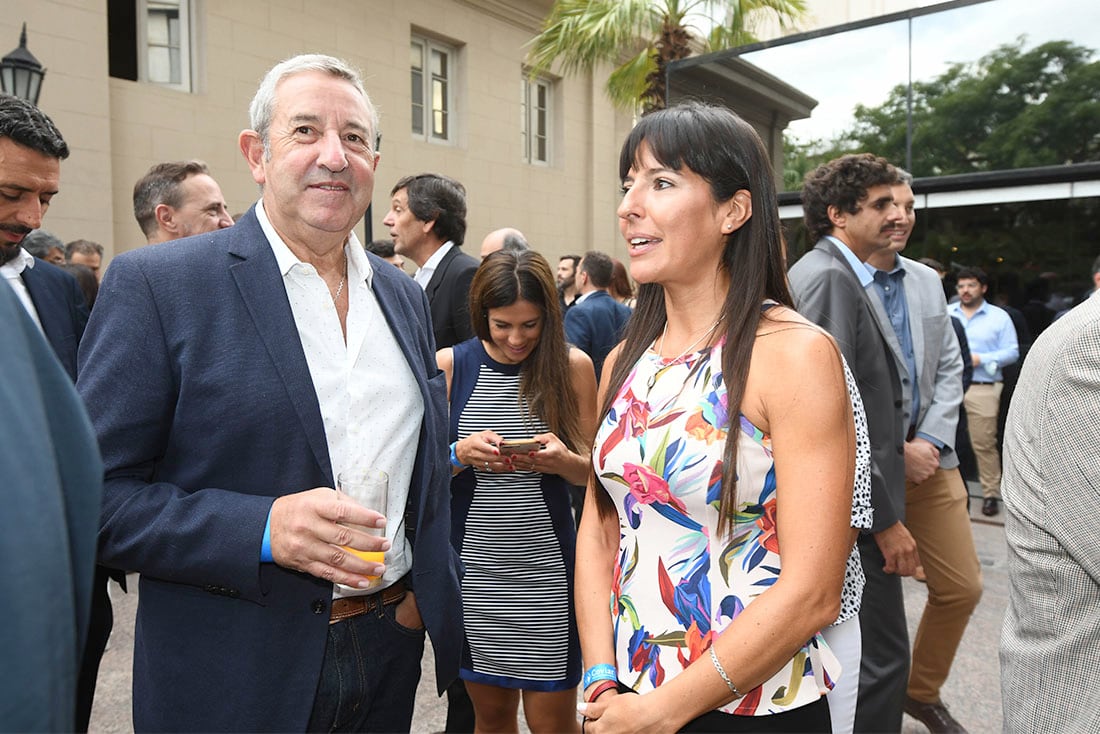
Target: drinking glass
(369, 488)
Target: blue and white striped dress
(515, 534)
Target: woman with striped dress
(516, 381)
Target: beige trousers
(983, 402)
(936, 515)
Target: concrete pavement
(972, 692)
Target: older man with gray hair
(290, 357)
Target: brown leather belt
(353, 606)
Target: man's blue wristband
(265, 547)
(454, 458)
(603, 671)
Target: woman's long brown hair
(507, 277)
(725, 151)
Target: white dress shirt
(370, 404)
(424, 274)
(12, 271)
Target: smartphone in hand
(522, 446)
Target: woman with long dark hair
(523, 407)
(718, 520)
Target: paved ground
(972, 692)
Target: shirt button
(318, 606)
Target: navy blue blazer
(61, 308)
(205, 410)
(595, 326)
(449, 295)
(51, 477)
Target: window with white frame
(152, 41)
(432, 94)
(167, 43)
(535, 110)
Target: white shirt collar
(358, 265)
(19, 263)
(427, 270)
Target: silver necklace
(706, 335)
(340, 288)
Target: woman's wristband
(602, 688)
(454, 458)
(597, 673)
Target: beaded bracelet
(602, 688)
(603, 671)
(722, 672)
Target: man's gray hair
(262, 108)
(905, 177)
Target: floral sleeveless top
(676, 584)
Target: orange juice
(370, 556)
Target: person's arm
(597, 547)
(1008, 344)
(942, 417)
(797, 385)
(935, 433)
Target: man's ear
(837, 216)
(165, 216)
(252, 148)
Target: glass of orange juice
(371, 489)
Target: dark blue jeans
(369, 676)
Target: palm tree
(584, 33)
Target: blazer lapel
(916, 316)
(881, 319)
(440, 272)
(260, 283)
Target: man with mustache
(850, 210)
(928, 353)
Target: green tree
(1010, 109)
(648, 34)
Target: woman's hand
(480, 451)
(546, 460)
(613, 712)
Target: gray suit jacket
(827, 292)
(1051, 491)
(936, 350)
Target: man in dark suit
(596, 321)
(427, 221)
(228, 397)
(850, 210)
(54, 301)
(52, 474)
